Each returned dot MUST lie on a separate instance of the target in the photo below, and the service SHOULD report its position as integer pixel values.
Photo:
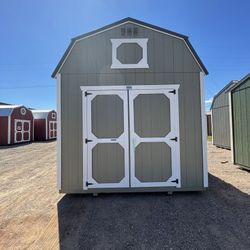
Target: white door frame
(172, 94)
(87, 134)
(174, 109)
(54, 130)
(21, 131)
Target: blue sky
(34, 35)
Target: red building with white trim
(45, 124)
(16, 124)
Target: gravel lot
(33, 215)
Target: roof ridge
(124, 20)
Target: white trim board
(125, 87)
(9, 129)
(204, 131)
(231, 124)
(115, 26)
(59, 171)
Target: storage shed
(239, 97)
(220, 118)
(131, 112)
(45, 124)
(16, 124)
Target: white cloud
(208, 101)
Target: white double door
(22, 131)
(131, 136)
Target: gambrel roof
(227, 88)
(134, 21)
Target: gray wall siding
(170, 62)
(221, 123)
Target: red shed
(16, 124)
(45, 126)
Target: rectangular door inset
(106, 139)
(154, 137)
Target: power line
(29, 87)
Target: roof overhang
(240, 82)
(119, 23)
(227, 88)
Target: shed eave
(239, 83)
(225, 89)
(119, 23)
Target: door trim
(121, 140)
(54, 130)
(115, 88)
(22, 131)
(174, 132)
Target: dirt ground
(34, 216)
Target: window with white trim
(142, 61)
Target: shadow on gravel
(218, 218)
(25, 143)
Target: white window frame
(143, 63)
(23, 111)
(21, 131)
(53, 115)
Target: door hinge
(89, 183)
(172, 91)
(174, 139)
(86, 140)
(87, 93)
(176, 181)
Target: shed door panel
(154, 138)
(52, 129)
(22, 131)
(107, 134)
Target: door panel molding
(128, 94)
(22, 131)
(174, 132)
(122, 140)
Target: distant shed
(16, 124)
(240, 120)
(209, 123)
(45, 125)
(220, 117)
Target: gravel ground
(216, 219)
(34, 216)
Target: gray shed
(239, 98)
(220, 118)
(131, 113)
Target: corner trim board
(59, 171)
(9, 128)
(231, 125)
(204, 131)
